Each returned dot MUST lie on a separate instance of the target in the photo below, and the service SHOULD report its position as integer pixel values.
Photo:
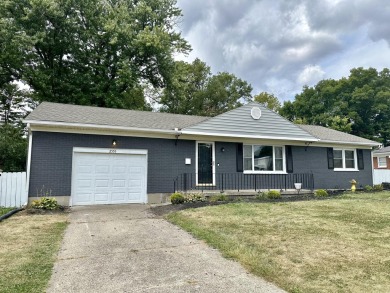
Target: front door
(205, 162)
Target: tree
(268, 100)
(89, 52)
(182, 94)
(15, 104)
(13, 148)
(359, 104)
(194, 90)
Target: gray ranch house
(89, 155)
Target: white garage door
(108, 178)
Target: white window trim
(273, 161)
(383, 166)
(196, 163)
(343, 159)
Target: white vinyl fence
(13, 189)
(381, 176)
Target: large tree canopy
(268, 100)
(90, 52)
(13, 148)
(359, 104)
(194, 90)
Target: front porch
(248, 184)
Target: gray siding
(239, 122)
(314, 160)
(51, 159)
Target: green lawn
(28, 248)
(3, 210)
(340, 244)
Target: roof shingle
(331, 135)
(75, 114)
(382, 150)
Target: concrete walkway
(124, 248)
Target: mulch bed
(166, 209)
(32, 211)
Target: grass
(28, 247)
(3, 210)
(340, 244)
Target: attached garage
(108, 176)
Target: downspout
(28, 168)
(372, 166)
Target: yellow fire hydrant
(353, 185)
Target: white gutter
(248, 136)
(349, 142)
(94, 126)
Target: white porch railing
(13, 189)
(381, 176)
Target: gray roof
(235, 123)
(382, 150)
(239, 123)
(74, 114)
(331, 135)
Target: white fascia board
(381, 154)
(349, 143)
(95, 126)
(186, 132)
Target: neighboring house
(381, 164)
(90, 155)
(381, 158)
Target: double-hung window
(382, 162)
(344, 159)
(264, 158)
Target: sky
(278, 46)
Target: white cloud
(310, 75)
(278, 46)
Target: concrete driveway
(125, 248)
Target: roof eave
(97, 126)
(248, 136)
(381, 154)
(372, 144)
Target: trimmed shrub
(321, 193)
(194, 197)
(177, 198)
(367, 188)
(45, 203)
(273, 194)
(219, 197)
(377, 187)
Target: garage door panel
(118, 196)
(133, 196)
(102, 183)
(102, 169)
(119, 183)
(84, 183)
(85, 169)
(102, 197)
(119, 169)
(108, 178)
(84, 197)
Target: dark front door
(205, 163)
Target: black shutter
(330, 158)
(360, 159)
(289, 159)
(240, 158)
